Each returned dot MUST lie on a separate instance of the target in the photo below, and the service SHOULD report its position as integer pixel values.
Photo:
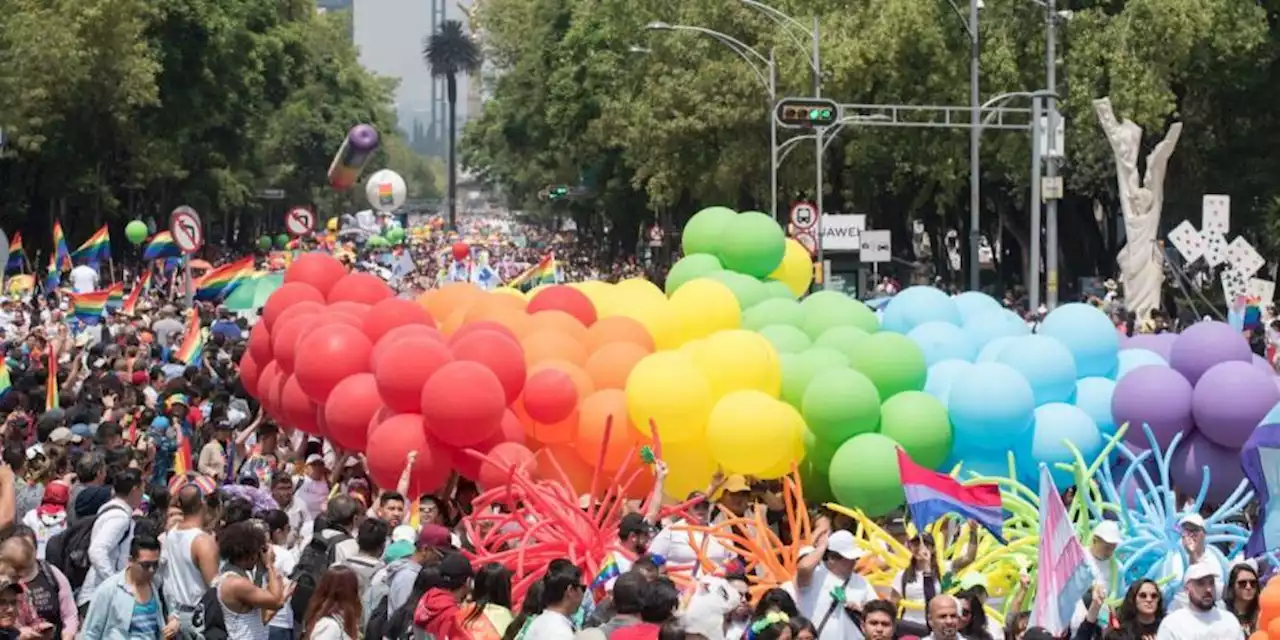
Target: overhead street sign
(804, 215)
(186, 229)
(876, 246)
(299, 221)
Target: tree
(449, 52)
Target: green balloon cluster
(739, 250)
(377, 242)
(264, 243)
(136, 231)
(395, 235)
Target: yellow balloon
(639, 288)
(331, 224)
(509, 291)
(745, 429)
(703, 307)
(796, 269)
(689, 466)
(784, 466)
(667, 388)
(738, 360)
(656, 316)
(601, 296)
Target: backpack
(377, 626)
(68, 550)
(315, 559)
(207, 619)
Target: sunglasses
(149, 565)
(1148, 595)
(1247, 584)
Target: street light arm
(753, 57)
(964, 20)
(785, 20)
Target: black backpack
(315, 559)
(69, 549)
(376, 628)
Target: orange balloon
(451, 298)
(557, 433)
(642, 487)
(607, 407)
(580, 378)
(618, 329)
(453, 322)
(514, 319)
(541, 345)
(1260, 635)
(560, 463)
(507, 300)
(1269, 604)
(1273, 627)
(610, 365)
(560, 322)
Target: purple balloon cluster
(1215, 391)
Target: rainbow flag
(53, 277)
(182, 457)
(60, 247)
(219, 282)
(20, 285)
(96, 248)
(161, 245)
(51, 382)
(192, 342)
(6, 384)
(608, 572)
(115, 295)
(16, 254)
(542, 273)
(89, 307)
(130, 305)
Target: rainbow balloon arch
(734, 366)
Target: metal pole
(817, 61)
(773, 139)
(975, 161)
(1051, 160)
(1033, 270)
(817, 198)
(189, 292)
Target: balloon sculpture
(359, 145)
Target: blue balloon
(991, 352)
(942, 341)
(1272, 417)
(1093, 396)
(1045, 363)
(1056, 424)
(1131, 359)
(1087, 333)
(915, 306)
(991, 406)
(942, 375)
(973, 303)
(990, 325)
(980, 463)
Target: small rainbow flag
(89, 307)
(219, 282)
(182, 457)
(51, 382)
(16, 254)
(192, 342)
(542, 273)
(60, 247)
(53, 277)
(130, 305)
(608, 571)
(161, 245)
(115, 295)
(6, 385)
(386, 193)
(96, 248)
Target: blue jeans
(276, 633)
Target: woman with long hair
(334, 612)
(919, 582)
(529, 609)
(487, 614)
(973, 620)
(1240, 595)
(1140, 614)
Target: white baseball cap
(842, 544)
(1193, 519)
(404, 533)
(1199, 570)
(1107, 531)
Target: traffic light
(807, 113)
(558, 192)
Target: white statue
(1141, 202)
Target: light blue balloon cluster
(1008, 389)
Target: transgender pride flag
(1065, 574)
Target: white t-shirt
(914, 592)
(1190, 623)
(1180, 600)
(550, 625)
(673, 543)
(84, 279)
(313, 494)
(285, 561)
(814, 600)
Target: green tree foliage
(682, 123)
(129, 108)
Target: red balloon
(324, 320)
(550, 395)
(393, 313)
(351, 406)
(296, 408)
(402, 371)
(364, 288)
(320, 422)
(357, 310)
(564, 298)
(260, 344)
(505, 456)
(390, 338)
(461, 250)
(501, 355)
(304, 308)
(266, 386)
(329, 355)
(389, 445)
(319, 270)
(511, 431)
(249, 372)
(481, 325)
(287, 296)
(285, 340)
(463, 403)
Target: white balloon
(385, 190)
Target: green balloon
(282, 241)
(844, 339)
(395, 235)
(264, 243)
(918, 422)
(799, 369)
(746, 289)
(816, 484)
(775, 289)
(772, 312)
(818, 452)
(893, 362)
(136, 231)
(704, 233)
(864, 474)
(840, 404)
(786, 338)
(377, 242)
(699, 265)
(754, 244)
(826, 309)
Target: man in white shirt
(826, 583)
(112, 533)
(1106, 537)
(563, 590)
(84, 278)
(1201, 619)
(1192, 527)
(944, 618)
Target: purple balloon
(1205, 344)
(1229, 400)
(1262, 365)
(1160, 343)
(1156, 396)
(1186, 469)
